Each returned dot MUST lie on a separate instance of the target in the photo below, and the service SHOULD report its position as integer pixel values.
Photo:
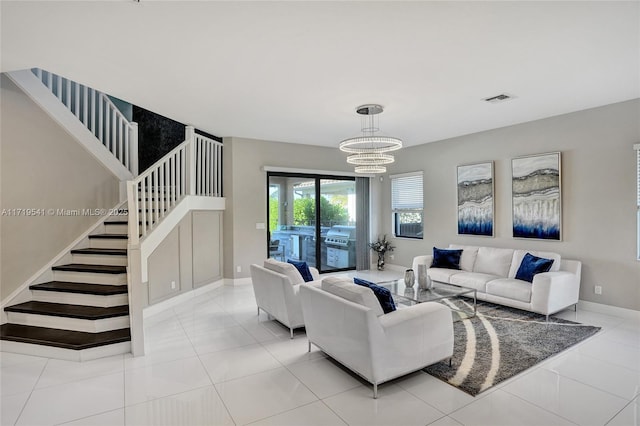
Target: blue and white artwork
(475, 199)
(536, 196)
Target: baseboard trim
(615, 311)
(174, 301)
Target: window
(407, 205)
(637, 148)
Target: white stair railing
(192, 168)
(98, 113)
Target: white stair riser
(108, 243)
(116, 229)
(80, 299)
(96, 259)
(75, 324)
(66, 354)
(90, 277)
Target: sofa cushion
(493, 261)
(475, 280)
(285, 269)
(441, 275)
(382, 294)
(443, 258)
(468, 258)
(519, 254)
(532, 265)
(303, 268)
(345, 288)
(510, 288)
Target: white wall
(598, 190)
(43, 167)
(190, 256)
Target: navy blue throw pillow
(449, 259)
(382, 294)
(532, 265)
(303, 268)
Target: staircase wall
(190, 256)
(43, 167)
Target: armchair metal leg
(375, 391)
(309, 348)
(258, 310)
(547, 316)
(291, 331)
(450, 361)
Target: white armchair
(345, 321)
(277, 289)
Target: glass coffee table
(438, 291)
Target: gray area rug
(500, 342)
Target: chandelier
(370, 152)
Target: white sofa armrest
(413, 338)
(554, 291)
(426, 259)
(314, 273)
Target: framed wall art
(537, 196)
(475, 199)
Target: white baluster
(107, 127)
(143, 206)
(133, 149)
(85, 106)
(120, 139)
(114, 134)
(67, 101)
(100, 119)
(162, 188)
(76, 111)
(59, 87)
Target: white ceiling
(295, 71)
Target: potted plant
(381, 246)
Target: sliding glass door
(312, 218)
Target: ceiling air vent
(498, 98)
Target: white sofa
(277, 289)
(346, 321)
(491, 271)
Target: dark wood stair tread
(99, 269)
(121, 222)
(66, 339)
(69, 311)
(101, 251)
(110, 236)
(81, 288)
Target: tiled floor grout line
(26, 401)
(215, 388)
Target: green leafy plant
(381, 245)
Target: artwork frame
(476, 199)
(536, 196)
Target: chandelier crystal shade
(370, 152)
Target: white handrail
(192, 168)
(99, 114)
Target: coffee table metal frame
(438, 291)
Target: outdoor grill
(341, 250)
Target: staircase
(92, 307)
(83, 313)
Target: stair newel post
(133, 148)
(134, 272)
(136, 299)
(191, 159)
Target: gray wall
(245, 188)
(42, 167)
(598, 191)
(190, 256)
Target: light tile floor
(213, 361)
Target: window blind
(407, 192)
